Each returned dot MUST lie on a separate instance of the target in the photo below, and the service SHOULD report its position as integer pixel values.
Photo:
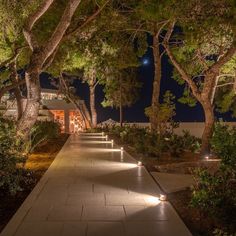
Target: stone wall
(195, 128)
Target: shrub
(224, 145)
(215, 193)
(43, 131)
(11, 158)
(176, 144)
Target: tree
(121, 90)
(199, 52)
(40, 54)
(13, 50)
(152, 20)
(226, 89)
(44, 47)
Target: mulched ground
(198, 223)
(38, 162)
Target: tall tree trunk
(92, 106)
(17, 93)
(39, 56)
(121, 116)
(156, 84)
(121, 105)
(208, 128)
(31, 111)
(19, 104)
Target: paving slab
(94, 189)
(173, 182)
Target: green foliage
(13, 153)
(163, 112)
(225, 101)
(215, 193)
(11, 158)
(153, 144)
(224, 145)
(41, 132)
(177, 144)
(220, 232)
(188, 98)
(121, 88)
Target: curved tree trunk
(39, 57)
(17, 93)
(10, 87)
(31, 111)
(19, 104)
(156, 84)
(92, 106)
(208, 128)
(121, 109)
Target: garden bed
(198, 222)
(37, 163)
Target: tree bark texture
(93, 106)
(16, 91)
(156, 84)
(204, 95)
(39, 56)
(31, 111)
(121, 104)
(208, 127)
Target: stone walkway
(171, 183)
(94, 189)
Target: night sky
(136, 112)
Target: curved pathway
(94, 189)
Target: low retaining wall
(195, 128)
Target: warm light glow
(152, 200)
(122, 149)
(207, 157)
(102, 133)
(163, 197)
(112, 141)
(122, 157)
(140, 163)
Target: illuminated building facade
(73, 117)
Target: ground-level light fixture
(122, 149)
(163, 197)
(152, 200)
(112, 141)
(139, 163)
(206, 157)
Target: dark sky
(136, 112)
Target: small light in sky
(145, 61)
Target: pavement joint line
(111, 214)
